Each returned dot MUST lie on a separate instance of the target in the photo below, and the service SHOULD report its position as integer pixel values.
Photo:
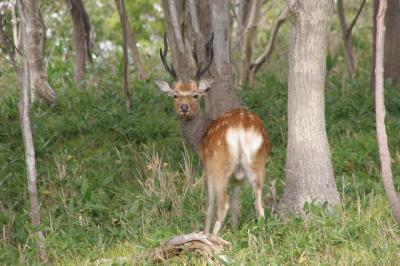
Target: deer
(234, 148)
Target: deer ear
(205, 84)
(164, 87)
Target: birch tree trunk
(309, 172)
(40, 85)
(384, 154)
(27, 131)
(81, 35)
(392, 42)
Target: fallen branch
(206, 245)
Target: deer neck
(194, 130)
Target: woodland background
(115, 183)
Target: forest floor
(116, 184)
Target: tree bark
(40, 85)
(249, 37)
(124, 23)
(255, 66)
(384, 153)
(392, 42)
(81, 34)
(309, 172)
(27, 130)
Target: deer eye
(196, 96)
(175, 96)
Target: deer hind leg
(235, 203)
(210, 205)
(256, 179)
(222, 208)
(221, 178)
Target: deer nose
(184, 108)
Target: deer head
(187, 95)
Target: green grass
(114, 183)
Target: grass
(114, 183)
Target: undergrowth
(115, 184)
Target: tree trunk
(392, 42)
(347, 40)
(174, 11)
(222, 97)
(255, 66)
(27, 131)
(384, 154)
(249, 37)
(36, 36)
(242, 15)
(132, 44)
(81, 34)
(309, 172)
(376, 2)
(124, 23)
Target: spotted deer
(234, 149)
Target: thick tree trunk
(384, 154)
(36, 36)
(392, 41)
(222, 97)
(124, 23)
(81, 34)
(249, 37)
(27, 132)
(309, 172)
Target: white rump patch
(243, 144)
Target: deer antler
(163, 55)
(209, 58)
